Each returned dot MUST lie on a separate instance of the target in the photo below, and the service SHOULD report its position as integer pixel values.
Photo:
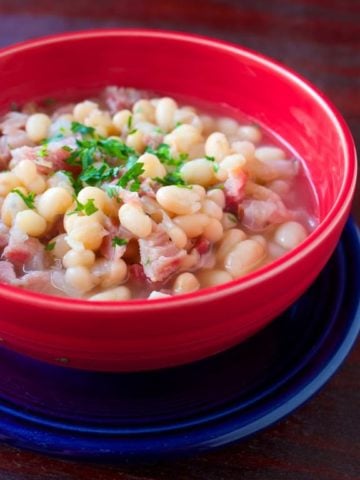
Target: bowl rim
(326, 226)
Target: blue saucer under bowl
(196, 407)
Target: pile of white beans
(194, 213)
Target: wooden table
(320, 39)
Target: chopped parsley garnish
(132, 175)
(129, 122)
(88, 208)
(58, 136)
(77, 127)
(211, 159)
(43, 151)
(163, 152)
(28, 199)
(94, 148)
(177, 124)
(96, 175)
(172, 178)
(134, 130)
(50, 246)
(118, 242)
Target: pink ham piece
(258, 215)
(234, 189)
(159, 256)
(55, 158)
(38, 281)
(4, 235)
(14, 136)
(7, 272)
(118, 98)
(27, 253)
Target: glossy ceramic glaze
(139, 335)
(175, 411)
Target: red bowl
(139, 334)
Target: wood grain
(321, 40)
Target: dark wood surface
(321, 40)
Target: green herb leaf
(164, 155)
(211, 159)
(28, 199)
(50, 246)
(43, 151)
(172, 178)
(116, 241)
(129, 122)
(87, 208)
(77, 127)
(132, 175)
(97, 175)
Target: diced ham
(159, 256)
(136, 273)
(118, 98)
(258, 215)
(13, 121)
(202, 245)
(39, 281)
(153, 139)
(234, 189)
(55, 158)
(107, 249)
(4, 236)
(28, 253)
(7, 272)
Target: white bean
(30, 223)
(152, 166)
(247, 149)
(93, 193)
(200, 171)
(134, 219)
(110, 273)
(155, 294)
(233, 163)
(121, 120)
(213, 230)
(185, 283)
(80, 279)
(61, 246)
(75, 258)
(88, 235)
(193, 225)
(8, 181)
(26, 171)
(228, 126)
(289, 235)
(37, 126)
(212, 209)
(178, 236)
(244, 257)
(114, 294)
(165, 113)
(145, 108)
(217, 146)
(83, 109)
(211, 278)
(178, 200)
(55, 201)
(217, 196)
(268, 154)
(230, 239)
(136, 141)
(183, 138)
(250, 133)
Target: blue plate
(197, 407)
